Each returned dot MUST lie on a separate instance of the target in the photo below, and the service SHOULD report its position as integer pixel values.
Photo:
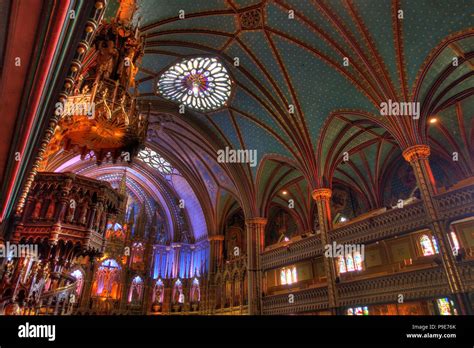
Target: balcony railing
(412, 285)
(454, 204)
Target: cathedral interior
(236, 157)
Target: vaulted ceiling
(291, 54)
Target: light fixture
(433, 120)
(284, 192)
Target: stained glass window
(283, 277)
(342, 265)
(288, 275)
(426, 245)
(154, 160)
(454, 242)
(435, 244)
(201, 83)
(293, 272)
(358, 261)
(443, 306)
(358, 311)
(350, 263)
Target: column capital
(416, 152)
(321, 193)
(256, 221)
(217, 237)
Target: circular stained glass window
(202, 83)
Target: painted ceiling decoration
(201, 83)
(307, 90)
(300, 82)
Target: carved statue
(127, 69)
(51, 209)
(106, 58)
(82, 217)
(71, 211)
(158, 294)
(37, 210)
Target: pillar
(322, 197)
(216, 251)
(216, 244)
(417, 156)
(255, 245)
(176, 260)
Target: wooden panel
(373, 257)
(400, 250)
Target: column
(417, 156)
(255, 245)
(216, 244)
(216, 251)
(91, 270)
(322, 197)
(176, 260)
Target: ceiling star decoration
(202, 84)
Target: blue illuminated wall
(180, 260)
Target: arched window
(350, 263)
(136, 290)
(283, 276)
(342, 265)
(454, 242)
(288, 275)
(289, 278)
(446, 306)
(435, 245)
(79, 280)
(426, 245)
(358, 261)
